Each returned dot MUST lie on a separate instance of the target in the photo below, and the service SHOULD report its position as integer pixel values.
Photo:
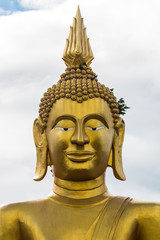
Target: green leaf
(122, 106)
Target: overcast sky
(125, 39)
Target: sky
(125, 39)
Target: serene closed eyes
(95, 129)
(90, 128)
(64, 129)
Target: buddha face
(80, 137)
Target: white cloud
(125, 39)
(4, 12)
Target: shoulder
(14, 210)
(150, 209)
(9, 227)
(141, 221)
(12, 214)
(140, 209)
(8, 212)
(146, 216)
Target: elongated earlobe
(41, 148)
(115, 159)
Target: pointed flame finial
(77, 50)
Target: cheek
(58, 141)
(102, 142)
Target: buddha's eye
(64, 129)
(95, 129)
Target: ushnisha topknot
(78, 84)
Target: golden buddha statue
(79, 133)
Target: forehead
(81, 110)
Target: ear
(115, 159)
(41, 148)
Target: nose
(79, 137)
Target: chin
(82, 172)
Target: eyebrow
(85, 119)
(63, 117)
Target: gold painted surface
(77, 50)
(79, 143)
(49, 219)
(82, 215)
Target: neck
(85, 191)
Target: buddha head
(78, 132)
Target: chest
(66, 223)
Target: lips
(80, 156)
